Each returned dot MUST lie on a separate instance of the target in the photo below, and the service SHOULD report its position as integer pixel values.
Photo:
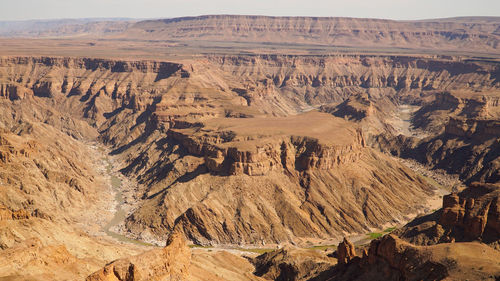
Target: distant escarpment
(477, 35)
(472, 34)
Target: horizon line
(242, 15)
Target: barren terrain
(122, 142)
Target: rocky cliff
(390, 258)
(239, 149)
(345, 252)
(462, 135)
(441, 244)
(458, 34)
(289, 84)
(274, 84)
(471, 215)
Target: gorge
(240, 153)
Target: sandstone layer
(453, 33)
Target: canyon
(111, 165)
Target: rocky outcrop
(231, 153)
(169, 263)
(473, 128)
(13, 91)
(290, 263)
(309, 161)
(355, 108)
(345, 252)
(6, 214)
(471, 215)
(390, 258)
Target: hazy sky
(393, 9)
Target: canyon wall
(471, 215)
(391, 258)
(200, 135)
(450, 34)
(461, 135)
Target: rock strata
(464, 33)
(199, 135)
(390, 258)
(471, 215)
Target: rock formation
(471, 215)
(390, 258)
(290, 263)
(248, 149)
(459, 33)
(462, 135)
(345, 252)
(308, 161)
(180, 129)
(169, 263)
(6, 214)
